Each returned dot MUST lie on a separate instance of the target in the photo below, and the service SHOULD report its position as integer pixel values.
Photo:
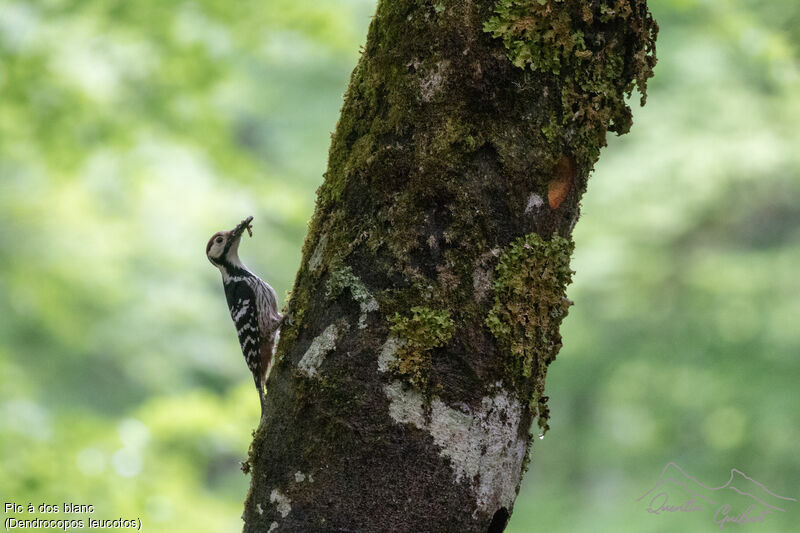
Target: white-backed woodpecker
(252, 302)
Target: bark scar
(562, 183)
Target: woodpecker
(252, 302)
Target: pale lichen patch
(316, 257)
(483, 444)
(320, 346)
(388, 354)
(534, 203)
(431, 84)
(272, 527)
(344, 278)
(483, 272)
(405, 406)
(281, 501)
(299, 477)
(367, 306)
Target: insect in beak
(244, 224)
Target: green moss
(529, 303)
(295, 312)
(362, 151)
(418, 334)
(579, 44)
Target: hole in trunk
(499, 521)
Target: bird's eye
(219, 240)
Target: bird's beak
(239, 229)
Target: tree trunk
(427, 307)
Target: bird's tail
(261, 397)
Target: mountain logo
(740, 500)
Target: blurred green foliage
(131, 131)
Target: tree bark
(427, 306)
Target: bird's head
(223, 247)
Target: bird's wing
(269, 320)
(266, 301)
(244, 311)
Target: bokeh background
(130, 131)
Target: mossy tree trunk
(411, 369)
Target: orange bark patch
(562, 182)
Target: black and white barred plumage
(252, 302)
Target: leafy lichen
(529, 303)
(580, 43)
(417, 335)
